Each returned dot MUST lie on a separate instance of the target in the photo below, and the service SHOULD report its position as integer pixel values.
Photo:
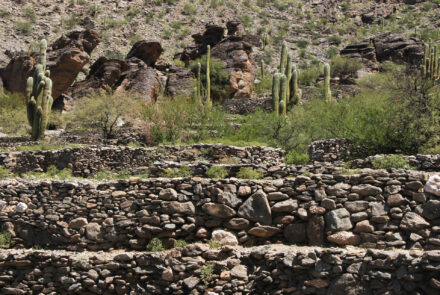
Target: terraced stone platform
(198, 269)
(292, 233)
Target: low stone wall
(271, 269)
(88, 160)
(376, 209)
(419, 162)
(329, 150)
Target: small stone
(168, 194)
(285, 206)
(118, 194)
(366, 190)
(344, 238)
(264, 231)
(229, 199)
(277, 196)
(338, 220)
(92, 231)
(317, 210)
(237, 223)
(239, 271)
(413, 222)
(218, 210)
(21, 207)
(432, 186)
(167, 275)
(396, 200)
(179, 207)
(328, 204)
(78, 223)
(244, 191)
(191, 282)
(224, 237)
(363, 227)
(356, 206)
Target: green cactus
(208, 77)
(295, 92)
(262, 69)
(276, 93)
(199, 84)
(283, 95)
(39, 96)
(288, 74)
(327, 91)
(283, 61)
(426, 61)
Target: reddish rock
(148, 51)
(344, 238)
(65, 59)
(315, 230)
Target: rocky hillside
(313, 29)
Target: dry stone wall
(376, 209)
(273, 269)
(88, 160)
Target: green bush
(155, 245)
(249, 173)
(219, 76)
(343, 66)
(177, 172)
(392, 161)
(13, 117)
(6, 240)
(206, 274)
(180, 243)
(4, 172)
(184, 120)
(54, 172)
(217, 172)
(294, 157)
(105, 112)
(308, 77)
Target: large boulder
(235, 51)
(256, 208)
(65, 59)
(146, 50)
(120, 75)
(395, 48)
(180, 81)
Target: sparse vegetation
(392, 161)
(249, 173)
(217, 172)
(206, 274)
(155, 245)
(5, 240)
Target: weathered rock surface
(256, 208)
(148, 51)
(65, 59)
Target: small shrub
(335, 39)
(214, 244)
(4, 172)
(206, 274)
(6, 240)
(249, 173)
(219, 76)
(189, 9)
(104, 175)
(308, 77)
(24, 27)
(294, 157)
(393, 161)
(342, 66)
(217, 172)
(155, 245)
(180, 243)
(54, 172)
(177, 172)
(302, 44)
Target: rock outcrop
(386, 47)
(146, 50)
(66, 57)
(235, 50)
(132, 75)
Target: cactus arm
(276, 93)
(208, 77)
(283, 94)
(199, 84)
(283, 61)
(327, 90)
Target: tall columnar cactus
(327, 91)
(39, 96)
(199, 84)
(262, 69)
(283, 61)
(208, 77)
(276, 93)
(283, 95)
(431, 63)
(295, 92)
(426, 60)
(288, 74)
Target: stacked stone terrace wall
(88, 160)
(271, 269)
(376, 209)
